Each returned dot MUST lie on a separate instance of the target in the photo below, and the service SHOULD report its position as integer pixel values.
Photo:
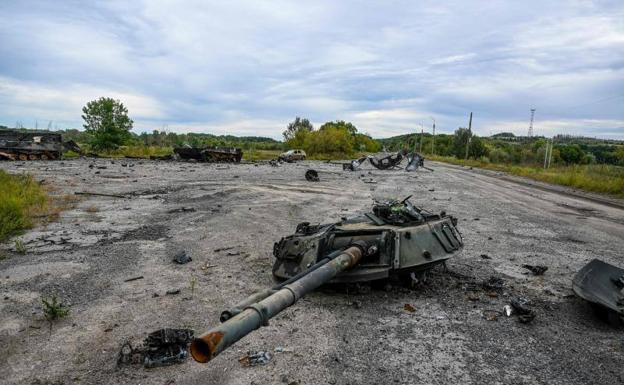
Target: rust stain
(213, 340)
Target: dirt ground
(333, 336)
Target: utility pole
(548, 153)
(433, 138)
(531, 123)
(552, 140)
(422, 133)
(469, 136)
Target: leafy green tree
(476, 149)
(462, 135)
(295, 126)
(571, 153)
(340, 125)
(107, 121)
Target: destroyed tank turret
(405, 239)
(396, 238)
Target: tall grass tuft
(21, 198)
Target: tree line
(107, 126)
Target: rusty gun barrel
(209, 345)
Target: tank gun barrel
(262, 294)
(271, 302)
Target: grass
(53, 310)
(253, 155)
(139, 152)
(598, 178)
(21, 200)
(20, 247)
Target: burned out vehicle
(33, 145)
(388, 162)
(209, 154)
(395, 239)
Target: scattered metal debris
(354, 165)
(602, 284)
(493, 284)
(253, 358)
(182, 257)
(312, 176)
(161, 348)
(536, 269)
(521, 308)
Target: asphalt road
(457, 333)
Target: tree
(476, 148)
(571, 153)
(295, 126)
(340, 125)
(462, 135)
(107, 120)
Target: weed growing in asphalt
(20, 247)
(53, 310)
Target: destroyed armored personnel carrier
(209, 154)
(396, 238)
(31, 145)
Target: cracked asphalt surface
(456, 333)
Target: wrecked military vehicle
(396, 238)
(33, 145)
(602, 285)
(209, 154)
(414, 161)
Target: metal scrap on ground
(160, 348)
(602, 284)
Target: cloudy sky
(249, 67)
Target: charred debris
(388, 162)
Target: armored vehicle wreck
(395, 238)
(209, 154)
(387, 162)
(31, 145)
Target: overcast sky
(249, 67)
